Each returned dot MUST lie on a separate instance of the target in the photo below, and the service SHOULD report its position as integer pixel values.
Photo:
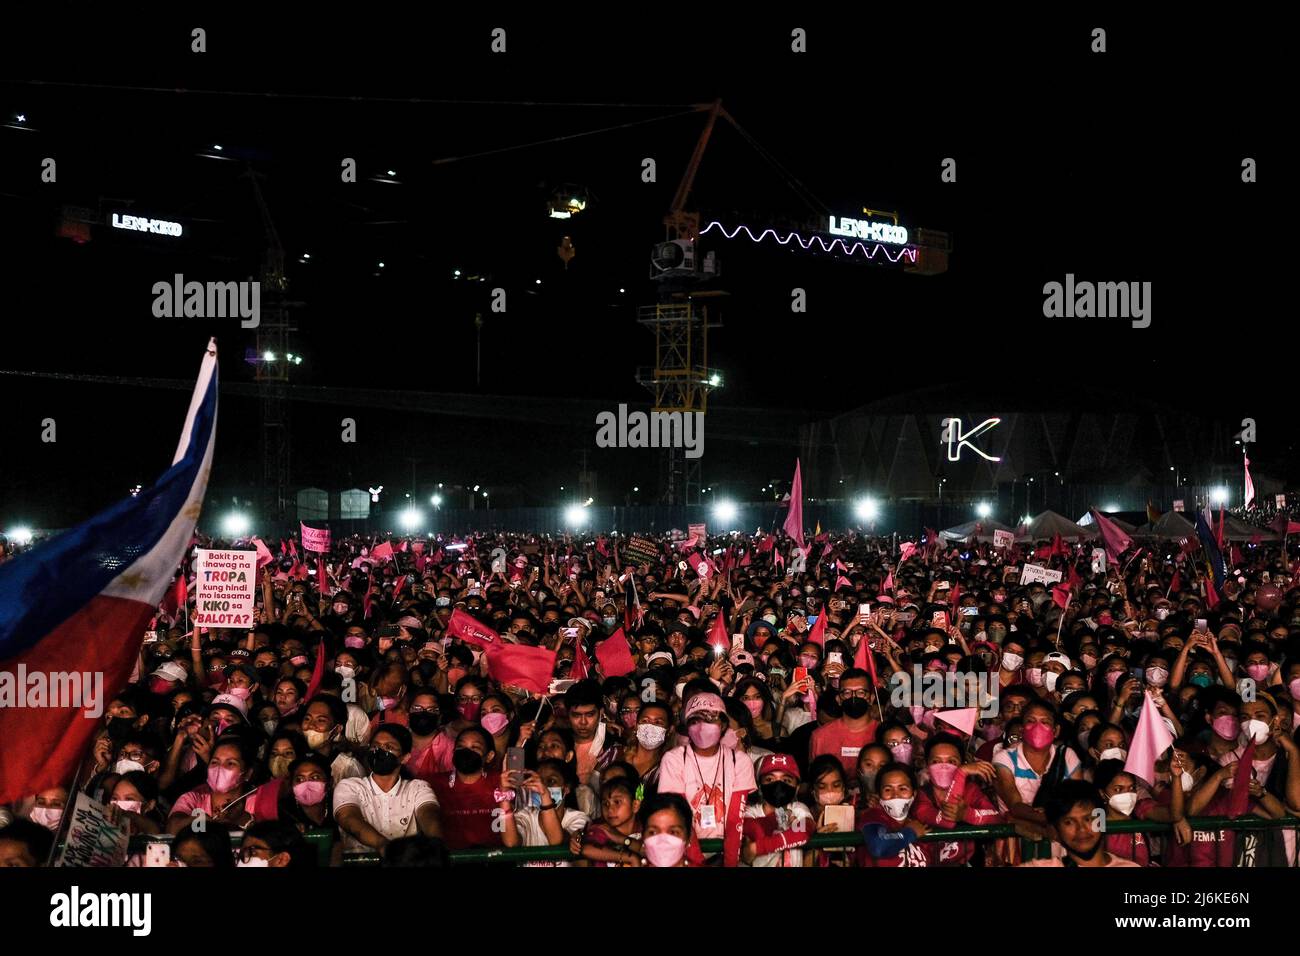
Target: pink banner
(315, 539)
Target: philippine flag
(73, 611)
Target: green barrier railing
(1030, 849)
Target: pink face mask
(1039, 736)
(664, 849)
(222, 779)
(495, 723)
(1295, 689)
(354, 641)
(1258, 671)
(808, 660)
(729, 739)
(755, 707)
(1227, 727)
(902, 753)
(243, 693)
(1112, 677)
(942, 774)
(310, 792)
(704, 735)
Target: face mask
(1256, 730)
(1049, 680)
(316, 738)
(664, 849)
(1089, 661)
(808, 660)
(1083, 738)
(467, 761)
(254, 861)
(240, 693)
(346, 672)
(130, 806)
(557, 795)
(704, 735)
(898, 807)
(1035, 676)
(1157, 676)
(942, 774)
(280, 766)
(1011, 662)
(341, 608)
(1039, 736)
(442, 602)
(650, 736)
(269, 726)
(779, 793)
(1124, 802)
(1188, 781)
(119, 727)
(1227, 727)
(469, 711)
(609, 622)
(867, 778)
(126, 766)
(222, 779)
(310, 792)
(991, 731)
(354, 641)
(1258, 671)
(1112, 678)
(48, 817)
(755, 707)
(1162, 613)
(384, 762)
(495, 723)
(830, 798)
(1113, 753)
(902, 752)
(1294, 687)
(387, 703)
(677, 691)
(423, 723)
(855, 707)
(1202, 680)
(770, 618)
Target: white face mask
(650, 736)
(1188, 781)
(255, 861)
(898, 807)
(1012, 662)
(345, 671)
(1113, 753)
(126, 766)
(1124, 802)
(1049, 680)
(48, 817)
(1255, 730)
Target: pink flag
(614, 657)
(905, 550)
(313, 539)
(383, 552)
(842, 581)
(1114, 538)
(818, 634)
(1250, 485)
(794, 517)
(264, 556)
(519, 665)
(888, 584)
(963, 719)
(1150, 740)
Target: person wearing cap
(167, 678)
(1053, 666)
(776, 825)
(711, 777)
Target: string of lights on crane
(805, 244)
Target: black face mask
(778, 794)
(428, 669)
(467, 761)
(855, 707)
(267, 676)
(423, 723)
(119, 727)
(384, 762)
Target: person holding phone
(550, 816)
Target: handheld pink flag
(1112, 535)
(963, 719)
(1150, 740)
(794, 517)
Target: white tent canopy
(982, 530)
(1170, 526)
(1049, 524)
(1087, 522)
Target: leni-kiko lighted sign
(955, 438)
(867, 229)
(159, 227)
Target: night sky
(1116, 167)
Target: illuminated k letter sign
(956, 438)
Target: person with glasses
(845, 736)
(273, 844)
(432, 742)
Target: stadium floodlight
(20, 536)
(411, 519)
(235, 525)
(575, 516)
(1219, 495)
(268, 356)
(725, 511)
(1111, 508)
(983, 509)
(436, 501)
(866, 509)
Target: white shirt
(528, 823)
(344, 767)
(391, 813)
(796, 817)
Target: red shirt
(833, 738)
(468, 810)
(979, 812)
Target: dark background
(1122, 166)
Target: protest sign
(1034, 573)
(315, 539)
(1280, 500)
(93, 839)
(225, 587)
(641, 551)
(1098, 560)
(1003, 539)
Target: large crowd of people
(725, 690)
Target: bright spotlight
(20, 536)
(725, 511)
(1219, 495)
(983, 509)
(235, 525)
(866, 509)
(436, 501)
(268, 356)
(1111, 508)
(575, 515)
(411, 519)
(715, 380)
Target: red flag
(1236, 556)
(1173, 584)
(322, 576)
(744, 560)
(1239, 798)
(818, 633)
(417, 547)
(317, 672)
(403, 545)
(383, 552)
(865, 660)
(1112, 535)
(581, 669)
(1211, 595)
(1072, 578)
(1218, 532)
(888, 584)
(467, 628)
(1061, 595)
(520, 665)
(718, 637)
(401, 583)
(794, 517)
(954, 595)
(1058, 546)
(613, 656)
(293, 548)
(768, 542)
